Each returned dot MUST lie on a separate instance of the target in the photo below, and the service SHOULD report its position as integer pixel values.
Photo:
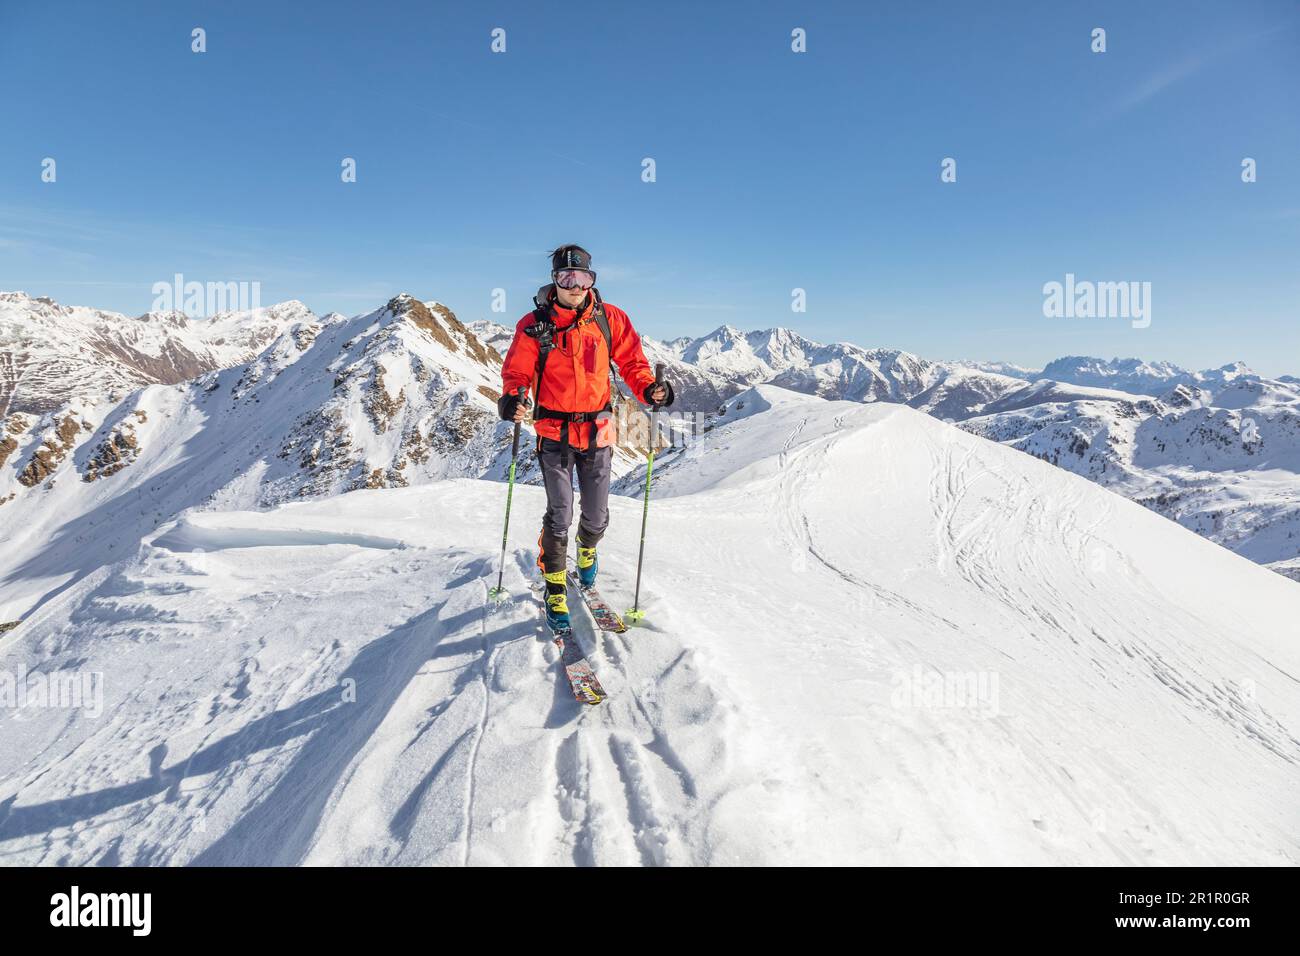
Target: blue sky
(775, 170)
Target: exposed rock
(7, 446)
(304, 336)
(418, 314)
(380, 478)
(416, 448)
(51, 453)
(379, 405)
(114, 453)
(459, 423)
(443, 327)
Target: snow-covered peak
(1226, 375)
(1139, 375)
(492, 334)
(1185, 396)
(1006, 369)
(1131, 374)
(55, 353)
(755, 399)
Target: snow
(324, 683)
(51, 354)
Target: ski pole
(498, 593)
(636, 613)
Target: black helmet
(571, 257)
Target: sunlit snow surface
(325, 683)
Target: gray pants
(593, 487)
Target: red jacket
(577, 369)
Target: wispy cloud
(1175, 73)
(1157, 83)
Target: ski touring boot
(587, 566)
(557, 603)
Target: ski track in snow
(429, 765)
(327, 683)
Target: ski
(606, 617)
(577, 669)
(582, 679)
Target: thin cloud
(1158, 83)
(1175, 73)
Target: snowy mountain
(53, 354)
(1140, 377)
(493, 335)
(401, 395)
(1228, 472)
(1168, 438)
(706, 371)
(957, 392)
(388, 398)
(1008, 369)
(736, 360)
(871, 638)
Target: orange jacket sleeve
(520, 363)
(627, 353)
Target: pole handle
(522, 393)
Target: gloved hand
(658, 394)
(511, 407)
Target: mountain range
(114, 422)
(893, 614)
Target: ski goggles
(575, 279)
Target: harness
(543, 330)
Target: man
(562, 352)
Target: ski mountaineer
(562, 352)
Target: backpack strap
(602, 322)
(542, 313)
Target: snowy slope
(400, 395)
(323, 683)
(1224, 464)
(52, 354)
